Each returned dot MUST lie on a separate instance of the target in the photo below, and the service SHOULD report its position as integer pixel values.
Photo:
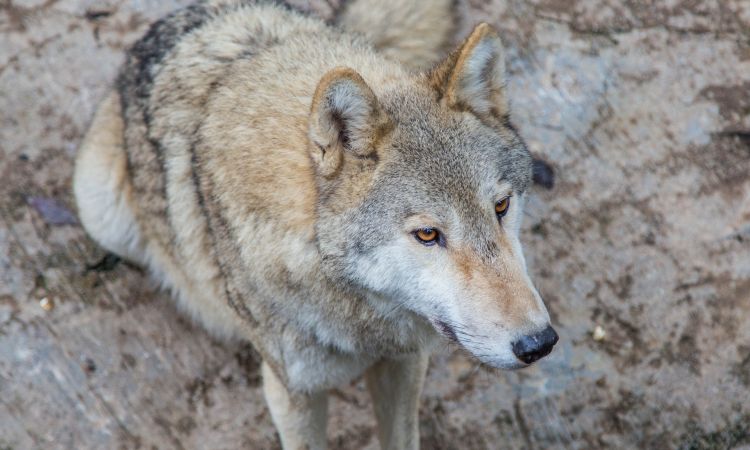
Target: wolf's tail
(414, 32)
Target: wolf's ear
(345, 118)
(473, 76)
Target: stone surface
(641, 108)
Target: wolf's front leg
(395, 385)
(299, 418)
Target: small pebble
(96, 14)
(46, 304)
(89, 366)
(599, 334)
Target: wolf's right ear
(345, 117)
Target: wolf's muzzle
(535, 346)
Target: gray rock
(642, 110)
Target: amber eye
(501, 207)
(427, 236)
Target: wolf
(310, 187)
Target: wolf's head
(421, 191)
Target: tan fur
(502, 289)
(415, 33)
(242, 161)
(104, 185)
(460, 90)
(105, 203)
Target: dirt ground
(641, 107)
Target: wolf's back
(193, 45)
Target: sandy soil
(641, 108)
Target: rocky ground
(642, 108)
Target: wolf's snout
(533, 347)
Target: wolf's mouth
(446, 330)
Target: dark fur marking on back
(212, 221)
(160, 39)
(135, 85)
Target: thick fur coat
(276, 173)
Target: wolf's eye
(427, 236)
(501, 207)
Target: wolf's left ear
(346, 118)
(473, 76)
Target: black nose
(535, 346)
